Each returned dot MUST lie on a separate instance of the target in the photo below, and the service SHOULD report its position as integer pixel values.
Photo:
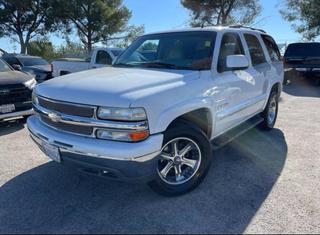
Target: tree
(304, 16)
(222, 12)
(124, 39)
(94, 20)
(42, 47)
(22, 20)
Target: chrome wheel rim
(179, 161)
(272, 110)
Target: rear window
(303, 50)
(32, 61)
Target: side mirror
(17, 67)
(237, 62)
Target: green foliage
(22, 20)
(131, 34)
(94, 20)
(149, 46)
(222, 12)
(304, 16)
(42, 48)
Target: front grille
(82, 130)
(66, 108)
(14, 95)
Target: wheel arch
(201, 118)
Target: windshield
(183, 50)
(4, 67)
(32, 61)
(303, 49)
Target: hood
(116, 87)
(13, 78)
(38, 68)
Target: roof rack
(238, 26)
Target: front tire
(270, 113)
(184, 161)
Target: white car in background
(101, 57)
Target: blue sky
(169, 14)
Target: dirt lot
(263, 182)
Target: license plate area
(7, 108)
(51, 151)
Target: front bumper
(16, 114)
(117, 160)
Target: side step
(234, 133)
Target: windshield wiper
(162, 65)
(123, 65)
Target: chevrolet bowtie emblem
(54, 117)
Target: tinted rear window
(32, 61)
(303, 49)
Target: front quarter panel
(166, 105)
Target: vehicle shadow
(56, 199)
(8, 127)
(300, 86)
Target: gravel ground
(262, 182)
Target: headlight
(35, 99)
(116, 135)
(122, 114)
(31, 83)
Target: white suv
(157, 113)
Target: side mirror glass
(237, 62)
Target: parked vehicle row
(33, 65)
(100, 57)
(156, 114)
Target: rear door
(260, 71)
(276, 71)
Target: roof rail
(238, 26)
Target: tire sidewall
(266, 112)
(195, 134)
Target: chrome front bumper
(129, 161)
(16, 114)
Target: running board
(234, 133)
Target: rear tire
(184, 161)
(270, 113)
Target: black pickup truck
(303, 58)
(15, 92)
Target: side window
(103, 57)
(11, 60)
(230, 45)
(255, 50)
(272, 47)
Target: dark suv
(34, 65)
(15, 92)
(303, 58)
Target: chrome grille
(80, 130)
(77, 118)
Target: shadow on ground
(300, 86)
(55, 199)
(8, 127)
